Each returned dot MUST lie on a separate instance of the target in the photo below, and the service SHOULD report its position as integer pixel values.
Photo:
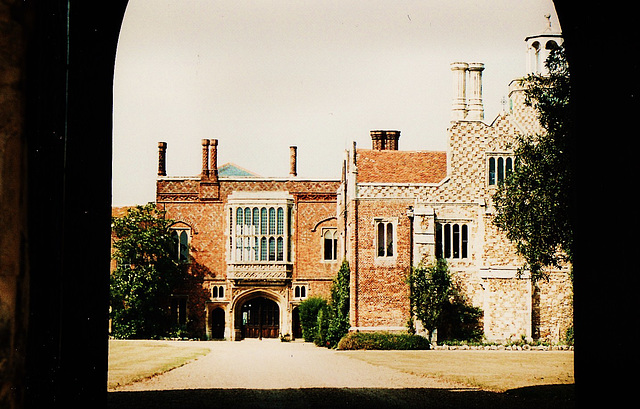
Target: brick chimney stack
(213, 168)
(293, 161)
(385, 140)
(205, 159)
(162, 156)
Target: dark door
(297, 328)
(217, 323)
(260, 319)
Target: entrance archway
(217, 323)
(260, 318)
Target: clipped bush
(382, 341)
(309, 311)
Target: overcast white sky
(261, 76)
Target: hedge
(382, 341)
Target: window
(384, 239)
(259, 233)
(178, 309)
(330, 244)
(300, 291)
(452, 240)
(217, 292)
(180, 237)
(500, 167)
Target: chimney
(205, 159)
(459, 106)
(293, 161)
(162, 156)
(384, 140)
(213, 168)
(475, 107)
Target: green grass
(490, 370)
(133, 360)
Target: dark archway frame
(71, 48)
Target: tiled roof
(391, 166)
(233, 170)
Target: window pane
(184, 246)
(263, 249)
(214, 291)
(500, 170)
(492, 171)
(303, 291)
(447, 241)
(263, 220)
(438, 240)
(221, 292)
(280, 249)
(327, 248)
(280, 220)
(272, 249)
(389, 239)
(456, 241)
(239, 249)
(272, 221)
(509, 167)
(380, 239)
(256, 220)
(465, 240)
(335, 249)
(255, 249)
(297, 292)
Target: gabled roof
(233, 170)
(391, 166)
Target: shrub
(382, 341)
(309, 310)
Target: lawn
(490, 370)
(130, 361)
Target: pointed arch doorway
(260, 318)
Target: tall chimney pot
(162, 156)
(475, 107)
(293, 161)
(213, 168)
(205, 159)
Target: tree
(440, 305)
(339, 307)
(430, 290)
(534, 204)
(146, 273)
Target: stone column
(475, 107)
(459, 105)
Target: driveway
(273, 374)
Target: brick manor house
(258, 246)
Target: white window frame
(333, 231)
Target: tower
(539, 46)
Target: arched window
(263, 249)
(272, 249)
(263, 220)
(180, 236)
(452, 240)
(330, 244)
(280, 250)
(272, 220)
(500, 167)
(280, 221)
(385, 240)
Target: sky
(263, 75)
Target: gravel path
(271, 364)
(272, 374)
